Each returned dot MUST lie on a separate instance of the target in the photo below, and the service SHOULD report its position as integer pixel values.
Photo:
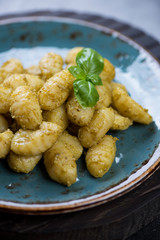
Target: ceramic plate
(138, 150)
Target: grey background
(142, 14)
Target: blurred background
(142, 14)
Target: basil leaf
(90, 61)
(85, 93)
(95, 79)
(77, 72)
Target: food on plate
(58, 116)
(108, 73)
(5, 142)
(130, 108)
(53, 111)
(33, 142)
(99, 125)
(76, 114)
(10, 67)
(17, 80)
(99, 158)
(121, 122)
(50, 64)
(71, 55)
(21, 163)
(116, 84)
(33, 70)
(25, 108)
(105, 96)
(60, 159)
(56, 90)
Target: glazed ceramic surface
(138, 147)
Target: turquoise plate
(138, 147)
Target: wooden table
(137, 212)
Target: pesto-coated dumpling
(30, 143)
(129, 107)
(105, 96)
(60, 159)
(100, 157)
(100, 124)
(25, 108)
(17, 80)
(121, 122)
(3, 123)
(71, 55)
(33, 70)
(120, 85)
(50, 64)
(5, 142)
(58, 116)
(56, 90)
(5, 96)
(23, 164)
(77, 114)
(70, 143)
(61, 167)
(108, 73)
(10, 67)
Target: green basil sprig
(89, 65)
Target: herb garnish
(89, 65)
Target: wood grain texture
(118, 219)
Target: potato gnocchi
(100, 157)
(60, 159)
(56, 90)
(99, 125)
(17, 80)
(41, 117)
(25, 103)
(21, 163)
(33, 142)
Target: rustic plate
(138, 150)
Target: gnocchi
(115, 85)
(34, 142)
(21, 163)
(56, 90)
(130, 108)
(33, 70)
(71, 55)
(77, 114)
(58, 116)
(16, 80)
(120, 122)
(10, 67)
(105, 96)
(25, 103)
(100, 124)
(99, 158)
(50, 64)
(41, 117)
(108, 73)
(60, 159)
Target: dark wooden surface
(136, 215)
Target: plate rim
(75, 205)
